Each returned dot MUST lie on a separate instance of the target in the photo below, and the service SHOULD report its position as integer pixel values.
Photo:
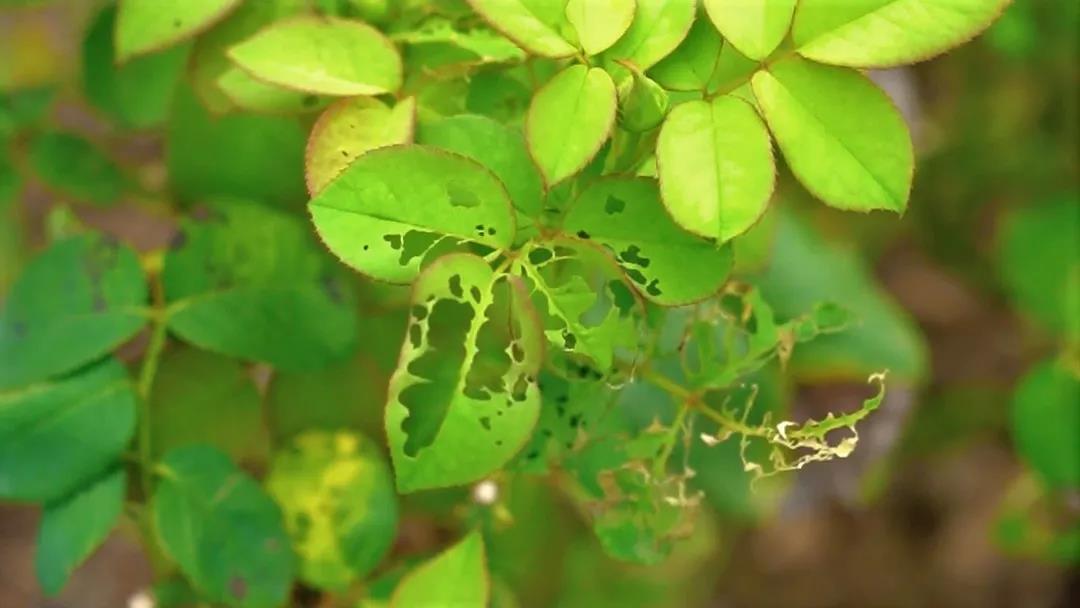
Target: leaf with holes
(456, 577)
(74, 526)
(585, 303)
(599, 23)
(464, 398)
(393, 205)
(250, 282)
(350, 128)
(148, 25)
(222, 530)
(340, 508)
(76, 301)
(39, 460)
(882, 33)
(535, 26)
(716, 167)
(658, 28)
(322, 55)
(667, 264)
(840, 134)
(572, 409)
(569, 119)
(755, 27)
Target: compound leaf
(464, 397)
(456, 577)
(840, 134)
(755, 27)
(658, 28)
(600, 23)
(568, 121)
(716, 166)
(148, 25)
(391, 206)
(534, 25)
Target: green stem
(732, 424)
(145, 386)
(667, 384)
(660, 464)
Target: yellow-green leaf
(755, 27)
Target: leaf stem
(732, 424)
(660, 464)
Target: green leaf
(658, 28)
(840, 134)
(222, 530)
(643, 104)
(73, 303)
(136, 94)
(569, 119)
(222, 408)
(256, 157)
(73, 167)
(882, 33)
(247, 93)
(39, 460)
(1039, 262)
(1046, 422)
(571, 410)
(74, 526)
(393, 205)
(600, 23)
(500, 149)
(488, 46)
(456, 577)
(464, 397)
(339, 503)
(350, 128)
(668, 265)
(250, 282)
(534, 25)
(322, 55)
(691, 65)
(755, 27)
(148, 25)
(716, 167)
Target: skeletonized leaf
(658, 28)
(881, 33)
(456, 577)
(755, 27)
(322, 55)
(716, 166)
(840, 134)
(668, 265)
(350, 128)
(599, 23)
(147, 25)
(525, 22)
(464, 397)
(568, 121)
(39, 460)
(222, 529)
(250, 282)
(391, 206)
(74, 526)
(73, 303)
(340, 508)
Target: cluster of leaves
(567, 186)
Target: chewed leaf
(464, 397)
(391, 206)
(666, 264)
(571, 410)
(585, 304)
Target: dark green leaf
(75, 168)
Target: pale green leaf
(39, 460)
(247, 93)
(1046, 422)
(339, 503)
(533, 24)
(322, 55)
(222, 530)
(488, 46)
(250, 282)
(600, 23)
(391, 206)
(464, 397)
(350, 128)
(667, 265)
(880, 33)
(569, 119)
(73, 303)
(658, 28)
(716, 167)
(643, 104)
(840, 134)
(456, 578)
(148, 25)
(755, 27)
(74, 526)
